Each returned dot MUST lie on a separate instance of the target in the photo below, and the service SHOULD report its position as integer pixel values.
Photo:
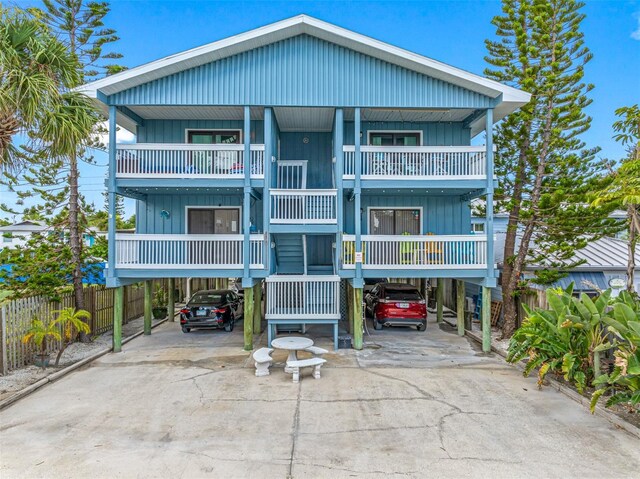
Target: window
(387, 138)
(215, 137)
(478, 227)
(7, 238)
(394, 222)
(213, 221)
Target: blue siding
(433, 134)
(317, 151)
(149, 221)
(301, 71)
(443, 215)
(173, 131)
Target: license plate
(201, 312)
(402, 305)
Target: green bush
(565, 339)
(623, 384)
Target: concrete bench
(272, 323)
(263, 360)
(316, 351)
(295, 366)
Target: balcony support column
(357, 190)
(257, 308)
(266, 191)
(440, 300)
(460, 304)
(118, 310)
(486, 319)
(247, 323)
(338, 155)
(357, 318)
(148, 306)
(171, 300)
(489, 201)
(111, 188)
(246, 206)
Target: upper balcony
(167, 161)
(418, 166)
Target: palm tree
(35, 67)
(70, 320)
(39, 332)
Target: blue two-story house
(303, 155)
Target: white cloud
(122, 135)
(636, 34)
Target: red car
(396, 304)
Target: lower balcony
(411, 253)
(187, 253)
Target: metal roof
(604, 254)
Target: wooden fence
(16, 317)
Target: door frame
(369, 208)
(204, 207)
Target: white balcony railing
(155, 251)
(421, 162)
(420, 252)
(303, 297)
(185, 160)
(303, 206)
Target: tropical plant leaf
(595, 397)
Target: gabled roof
(511, 98)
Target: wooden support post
(148, 286)
(440, 299)
(257, 308)
(171, 300)
(486, 319)
(118, 308)
(350, 308)
(460, 304)
(357, 318)
(248, 319)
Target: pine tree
(544, 168)
(623, 188)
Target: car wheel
(185, 329)
(421, 327)
(229, 326)
(376, 324)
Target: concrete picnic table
(293, 344)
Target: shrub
(565, 339)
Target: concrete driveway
(410, 404)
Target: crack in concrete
(294, 432)
(354, 471)
(373, 429)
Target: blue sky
(450, 31)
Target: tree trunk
(632, 215)
(75, 238)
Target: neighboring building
(305, 155)
(18, 234)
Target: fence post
(4, 367)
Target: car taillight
(383, 301)
(185, 311)
(422, 301)
(220, 310)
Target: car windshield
(206, 298)
(402, 294)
